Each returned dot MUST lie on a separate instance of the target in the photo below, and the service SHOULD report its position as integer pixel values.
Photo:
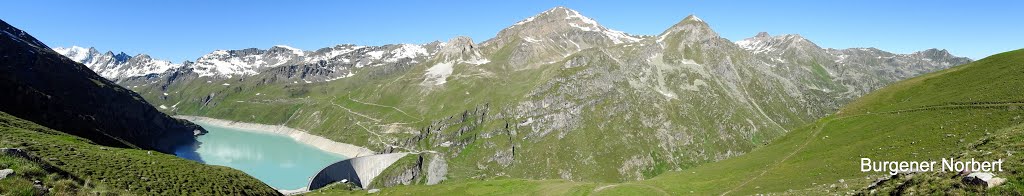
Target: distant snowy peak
(76, 53)
(248, 62)
(930, 55)
(228, 63)
(116, 66)
(764, 43)
(406, 51)
(332, 54)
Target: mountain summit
(562, 20)
(461, 49)
(552, 35)
(690, 29)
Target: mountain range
(554, 96)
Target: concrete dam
(359, 170)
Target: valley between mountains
(558, 104)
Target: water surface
(279, 161)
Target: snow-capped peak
(764, 43)
(76, 53)
(116, 66)
(408, 51)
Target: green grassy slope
(94, 168)
(968, 111)
(1001, 145)
(926, 118)
(26, 172)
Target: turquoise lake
(277, 160)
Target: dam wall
(359, 170)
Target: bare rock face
(437, 170)
(460, 49)
(400, 174)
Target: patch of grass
(115, 170)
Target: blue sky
(186, 29)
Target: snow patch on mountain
(334, 52)
(479, 61)
(144, 67)
(757, 44)
(753, 45)
(350, 74)
(438, 74)
(530, 39)
(530, 19)
(589, 24)
(695, 18)
(407, 51)
(375, 54)
(222, 63)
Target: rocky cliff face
(42, 86)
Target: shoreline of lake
(344, 149)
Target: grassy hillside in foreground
(971, 111)
(94, 168)
(22, 182)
